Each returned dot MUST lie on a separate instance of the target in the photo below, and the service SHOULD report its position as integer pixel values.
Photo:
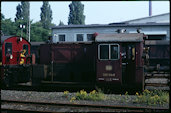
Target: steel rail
(114, 107)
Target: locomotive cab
(119, 61)
(15, 61)
(11, 50)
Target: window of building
(80, 37)
(90, 37)
(26, 48)
(8, 48)
(108, 51)
(61, 38)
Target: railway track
(30, 106)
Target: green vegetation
(93, 95)
(46, 15)
(22, 18)
(76, 15)
(156, 97)
(39, 31)
(83, 95)
(65, 94)
(61, 23)
(152, 97)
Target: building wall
(70, 32)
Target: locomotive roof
(120, 37)
(4, 38)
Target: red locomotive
(16, 60)
(112, 60)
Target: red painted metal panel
(139, 64)
(17, 47)
(109, 71)
(66, 53)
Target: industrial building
(156, 27)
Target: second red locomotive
(16, 60)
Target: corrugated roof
(120, 37)
(109, 25)
(146, 18)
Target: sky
(96, 12)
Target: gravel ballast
(111, 99)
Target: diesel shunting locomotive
(111, 60)
(16, 61)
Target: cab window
(114, 50)
(8, 48)
(104, 52)
(108, 51)
(26, 48)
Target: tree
(26, 15)
(61, 23)
(25, 10)
(46, 15)
(19, 13)
(22, 17)
(38, 33)
(8, 27)
(76, 13)
(2, 17)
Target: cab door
(108, 63)
(128, 63)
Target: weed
(65, 94)
(152, 97)
(93, 95)
(72, 99)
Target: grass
(152, 97)
(93, 95)
(156, 97)
(83, 95)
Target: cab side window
(8, 48)
(114, 50)
(26, 48)
(108, 51)
(104, 52)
